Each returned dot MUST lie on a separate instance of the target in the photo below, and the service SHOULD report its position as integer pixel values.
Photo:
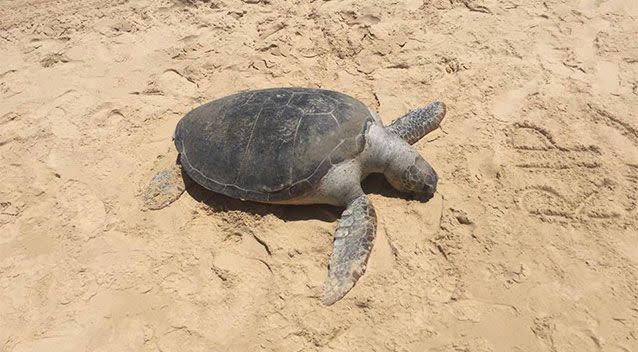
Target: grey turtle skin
(302, 146)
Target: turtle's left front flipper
(417, 123)
(352, 245)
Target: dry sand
(531, 243)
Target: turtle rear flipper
(352, 245)
(164, 188)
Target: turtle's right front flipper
(352, 245)
(164, 188)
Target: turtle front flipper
(164, 188)
(352, 245)
(417, 123)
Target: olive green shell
(271, 144)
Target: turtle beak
(431, 180)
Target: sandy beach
(529, 244)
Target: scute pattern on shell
(271, 144)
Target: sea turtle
(302, 146)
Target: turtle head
(401, 164)
(412, 174)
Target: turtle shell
(271, 144)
